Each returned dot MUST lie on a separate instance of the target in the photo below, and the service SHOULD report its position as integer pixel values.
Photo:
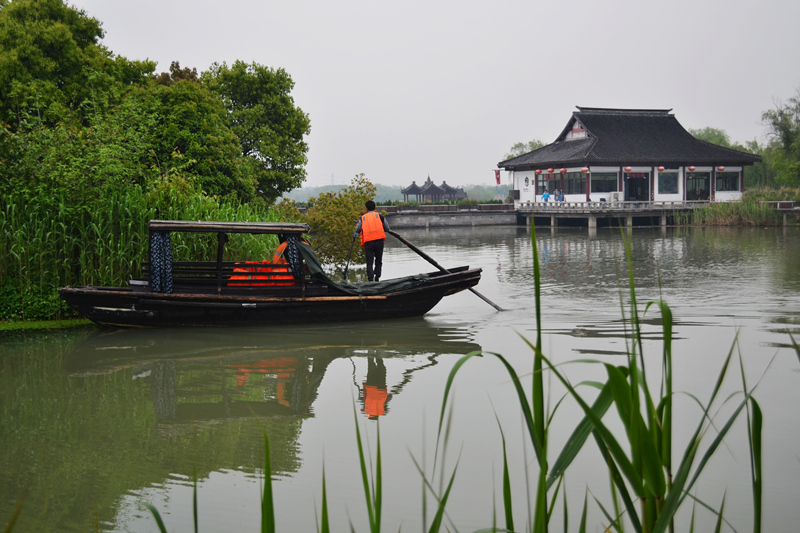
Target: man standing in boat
(373, 228)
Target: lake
(95, 422)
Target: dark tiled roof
(628, 137)
(430, 188)
(411, 189)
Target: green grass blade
(507, 507)
(449, 383)
(194, 501)
(582, 526)
(613, 522)
(159, 522)
(378, 489)
(267, 505)
(436, 524)
(365, 476)
(619, 488)
(579, 436)
(324, 521)
(718, 526)
(755, 435)
(607, 437)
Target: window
(574, 183)
(604, 181)
(541, 184)
(668, 182)
(697, 185)
(728, 181)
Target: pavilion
(430, 192)
(628, 154)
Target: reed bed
(748, 212)
(45, 243)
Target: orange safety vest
(371, 227)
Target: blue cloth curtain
(160, 262)
(293, 256)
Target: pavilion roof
(412, 189)
(430, 187)
(630, 137)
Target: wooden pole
(430, 260)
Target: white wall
(526, 192)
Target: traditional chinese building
(432, 193)
(628, 154)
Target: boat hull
(126, 307)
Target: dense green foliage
(94, 145)
(784, 122)
(333, 218)
(522, 148)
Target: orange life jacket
(264, 272)
(278, 256)
(371, 227)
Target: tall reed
(747, 212)
(46, 243)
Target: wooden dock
(605, 214)
(554, 214)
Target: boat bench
(234, 274)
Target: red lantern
(661, 169)
(720, 168)
(537, 171)
(628, 169)
(691, 168)
(549, 170)
(563, 171)
(585, 170)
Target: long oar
(344, 276)
(430, 260)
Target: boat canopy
(255, 228)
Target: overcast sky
(404, 90)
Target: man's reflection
(374, 393)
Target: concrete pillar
(629, 221)
(664, 218)
(785, 219)
(592, 222)
(553, 221)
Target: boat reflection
(215, 374)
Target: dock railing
(595, 207)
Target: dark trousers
(374, 252)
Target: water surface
(94, 422)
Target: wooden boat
(203, 293)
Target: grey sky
(403, 90)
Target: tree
(52, 62)
(784, 124)
(333, 218)
(521, 148)
(270, 128)
(193, 123)
(712, 135)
